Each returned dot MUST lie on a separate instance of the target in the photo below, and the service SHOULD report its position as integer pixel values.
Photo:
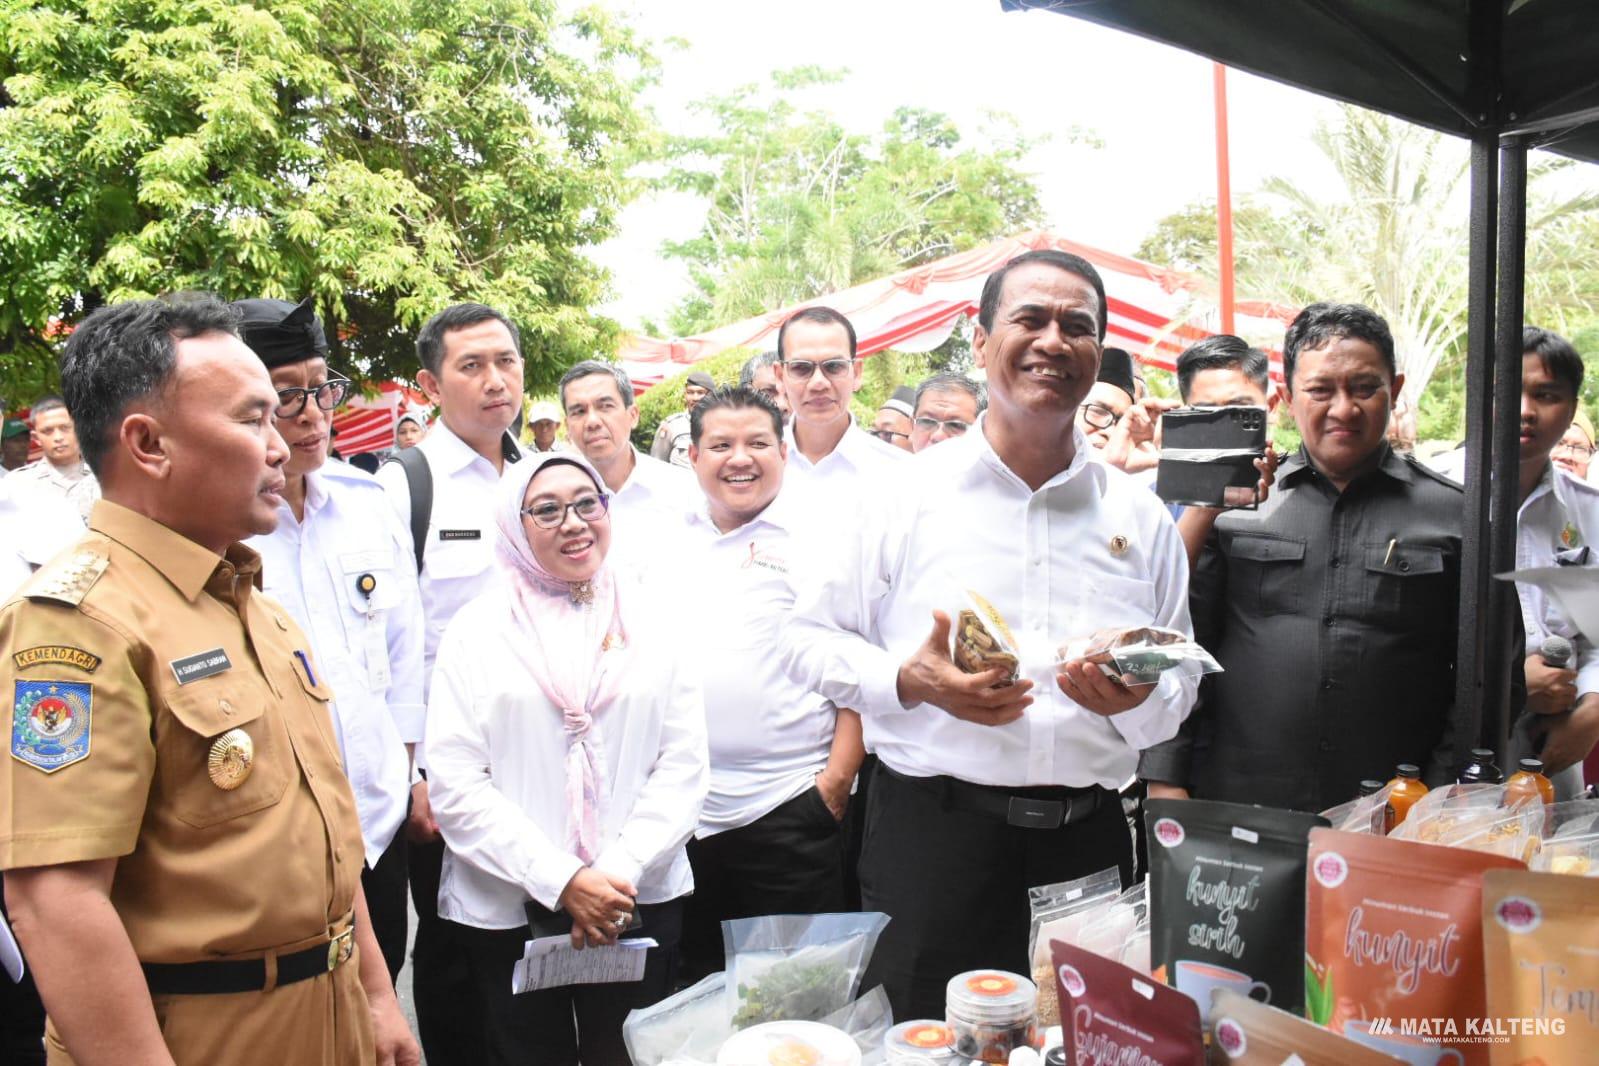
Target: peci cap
(281, 333)
(543, 411)
(903, 400)
(1582, 422)
(1116, 368)
(700, 378)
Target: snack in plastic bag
(1450, 810)
(687, 1027)
(1364, 814)
(796, 967)
(1057, 912)
(790, 1043)
(1576, 856)
(1141, 653)
(983, 640)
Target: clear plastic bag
(867, 1021)
(1574, 854)
(1364, 814)
(686, 1028)
(1142, 653)
(1059, 912)
(1451, 810)
(796, 967)
(1574, 818)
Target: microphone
(1556, 652)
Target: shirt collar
(975, 441)
(779, 514)
(848, 446)
(1298, 467)
(451, 453)
(188, 565)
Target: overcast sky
(1150, 105)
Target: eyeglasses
(954, 427)
(804, 368)
(887, 435)
(1098, 416)
(328, 395)
(547, 514)
(1573, 447)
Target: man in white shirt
(339, 562)
(648, 497)
(472, 371)
(819, 372)
(946, 406)
(783, 757)
(61, 471)
(1557, 524)
(985, 788)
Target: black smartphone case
(1206, 482)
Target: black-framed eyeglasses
(548, 514)
(1098, 416)
(328, 395)
(805, 368)
(953, 428)
(887, 435)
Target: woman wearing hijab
(566, 764)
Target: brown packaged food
(1543, 966)
(1250, 1033)
(983, 641)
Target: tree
(798, 206)
(1395, 239)
(386, 156)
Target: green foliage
(800, 207)
(666, 398)
(386, 156)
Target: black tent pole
(1474, 563)
(1505, 495)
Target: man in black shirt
(1332, 607)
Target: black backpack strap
(419, 480)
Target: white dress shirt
(647, 515)
(1088, 550)
(77, 486)
(458, 562)
(1558, 520)
(34, 528)
(769, 737)
(369, 645)
(858, 460)
(497, 770)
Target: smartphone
(1207, 455)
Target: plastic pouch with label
(1060, 911)
(1140, 654)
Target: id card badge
(375, 649)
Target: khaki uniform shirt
(80, 488)
(126, 659)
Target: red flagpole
(1224, 201)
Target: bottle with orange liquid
(1528, 784)
(1405, 791)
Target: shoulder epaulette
(67, 579)
(1443, 479)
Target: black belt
(222, 976)
(1037, 807)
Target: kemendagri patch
(56, 653)
(50, 723)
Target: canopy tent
(366, 423)
(1507, 74)
(1154, 313)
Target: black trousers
(384, 885)
(564, 1026)
(21, 1016)
(955, 883)
(449, 1020)
(788, 861)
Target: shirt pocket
(447, 560)
(1405, 583)
(1122, 601)
(1267, 573)
(368, 588)
(200, 717)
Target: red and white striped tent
(366, 423)
(1154, 313)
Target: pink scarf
(564, 644)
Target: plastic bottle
(1481, 769)
(1529, 783)
(1407, 789)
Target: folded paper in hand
(552, 962)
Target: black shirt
(1334, 616)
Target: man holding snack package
(1001, 775)
(1331, 606)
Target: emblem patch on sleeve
(57, 653)
(50, 723)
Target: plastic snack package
(1538, 945)
(1451, 810)
(1113, 1014)
(1576, 856)
(1364, 814)
(1142, 653)
(688, 1027)
(796, 967)
(983, 640)
(1059, 912)
(1250, 1033)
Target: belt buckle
(340, 948)
(1036, 814)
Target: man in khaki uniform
(181, 847)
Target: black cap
(700, 378)
(282, 333)
(1116, 368)
(1406, 769)
(1369, 787)
(1531, 766)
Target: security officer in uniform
(181, 847)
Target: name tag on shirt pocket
(201, 715)
(1266, 572)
